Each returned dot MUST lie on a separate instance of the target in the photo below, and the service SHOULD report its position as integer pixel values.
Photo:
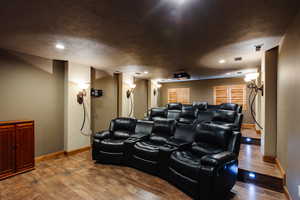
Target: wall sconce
(250, 79)
(156, 89)
(82, 93)
(254, 89)
(130, 91)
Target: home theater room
(150, 100)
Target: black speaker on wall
(96, 93)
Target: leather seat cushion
(120, 135)
(186, 120)
(158, 118)
(202, 149)
(185, 163)
(229, 125)
(157, 139)
(146, 150)
(111, 145)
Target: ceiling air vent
(238, 59)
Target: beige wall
(140, 98)
(104, 108)
(202, 90)
(33, 88)
(269, 102)
(74, 114)
(288, 132)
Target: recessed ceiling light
(222, 61)
(179, 2)
(146, 72)
(60, 46)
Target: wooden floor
(251, 159)
(250, 133)
(78, 178)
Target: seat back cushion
(158, 112)
(229, 106)
(213, 107)
(174, 106)
(173, 114)
(143, 127)
(188, 112)
(212, 135)
(225, 116)
(162, 130)
(184, 132)
(201, 106)
(205, 116)
(122, 128)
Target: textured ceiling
(160, 36)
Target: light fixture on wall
(129, 96)
(254, 91)
(251, 80)
(130, 90)
(156, 89)
(82, 93)
(80, 99)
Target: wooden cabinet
(16, 147)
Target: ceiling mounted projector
(182, 76)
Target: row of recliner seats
(227, 114)
(200, 159)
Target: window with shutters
(179, 95)
(231, 94)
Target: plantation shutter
(179, 95)
(231, 94)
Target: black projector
(182, 76)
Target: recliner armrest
(139, 136)
(219, 159)
(102, 135)
(178, 143)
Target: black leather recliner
(231, 106)
(157, 113)
(188, 115)
(206, 169)
(227, 118)
(200, 106)
(174, 106)
(108, 146)
(146, 153)
(174, 110)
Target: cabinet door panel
(7, 150)
(24, 146)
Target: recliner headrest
(229, 106)
(213, 135)
(188, 112)
(174, 106)
(200, 105)
(123, 124)
(164, 127)
(158, 112)
(224, 116)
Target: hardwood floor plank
(78, 178)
